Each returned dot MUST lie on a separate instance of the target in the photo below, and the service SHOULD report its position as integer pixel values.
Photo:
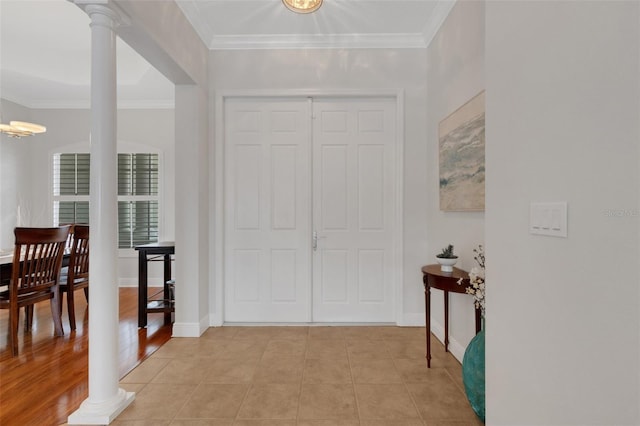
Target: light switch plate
(548, 219)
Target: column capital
(104, 8)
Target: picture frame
(461, 137)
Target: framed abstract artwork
(461, 138)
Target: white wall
(163, 36)
(563, 97)
(26, 167)
(13, 153)
(455, 74)
(192, 215)
(316, 71)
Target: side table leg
(446, 321)
(142, 289)
(478, 320)
(167, 277)
(427, 305)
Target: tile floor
(304, 376)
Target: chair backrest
(37, 258)
(69, 244)
(79, 258)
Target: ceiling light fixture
(18, 129)
(303, 6)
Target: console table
(433, 277)
(162, 252)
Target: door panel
(247, 275)
(371, 196)
(267, 210)
(354, 205)
(246, 174)
(334, 181)
(371, 273)
(335, 276)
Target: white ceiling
(224, 24)
(45, 45)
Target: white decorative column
(106, 400)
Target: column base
(102, 413)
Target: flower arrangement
(476, 279)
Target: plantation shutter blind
(138, 210)
(138, 218)
(71, 184)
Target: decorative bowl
(446, 264)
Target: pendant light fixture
(18, 129)
(303, 6)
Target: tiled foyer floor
(305, 376)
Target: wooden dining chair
(35, 275)
(77, 273)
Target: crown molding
(142, 104)
(440, 12)
(341, 41)
(86, 104)
(193, 16)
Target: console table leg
(478, 320)
(427, 304)
(142, 289)
(167, 277)
(446, 321)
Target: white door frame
(216, 181)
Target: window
(71, 188)
(137, 194)
(137, 199)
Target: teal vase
(473, 374)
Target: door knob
(314, 240)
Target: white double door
(309, 209)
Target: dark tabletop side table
(433, 277)
(162, 252)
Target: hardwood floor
(48, 380)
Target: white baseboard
(185, 329)
(215, 320)
(190, 329)
(127, 282)
(419, 320)
(455, 348)
(133, 282)
(412, 320)
(204, 324)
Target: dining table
(6, 265)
